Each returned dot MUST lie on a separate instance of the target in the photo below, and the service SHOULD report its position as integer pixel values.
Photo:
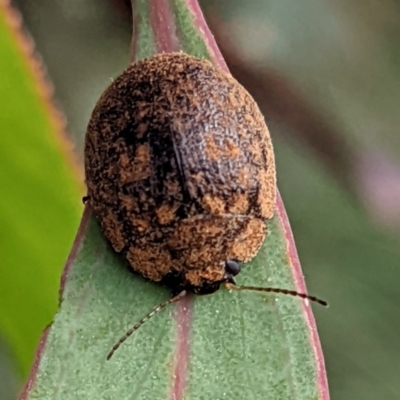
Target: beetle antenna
(232, 286)
(156, 309)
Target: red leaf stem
(184, 313)
(162, 22)
(34, 370)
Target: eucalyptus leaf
(39, 211)
(232, 345)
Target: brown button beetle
(180, 174)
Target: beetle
(180, 174)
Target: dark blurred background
(327, 77)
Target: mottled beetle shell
(180, 171)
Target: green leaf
(39, 202)
(226, 345)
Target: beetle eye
(232, 267)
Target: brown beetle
(180, 174)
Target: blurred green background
(327, 75)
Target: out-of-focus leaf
(39, 201)
(227, 345)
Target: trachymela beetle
(180, 174)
